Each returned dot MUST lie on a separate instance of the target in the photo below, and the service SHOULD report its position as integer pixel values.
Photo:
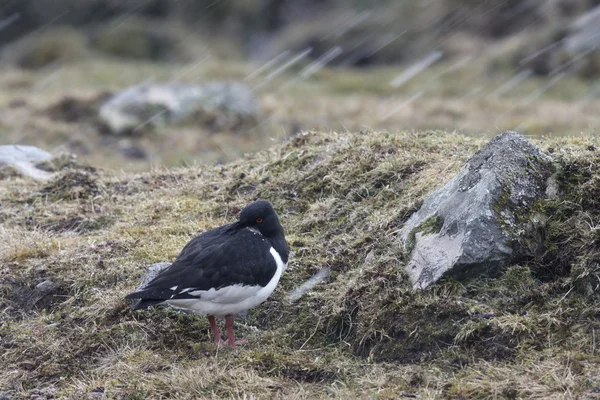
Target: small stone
(552, 190)
(44, 287)
(41, 290)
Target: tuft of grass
(73, 185)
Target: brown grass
(56, 109)
(362, 333)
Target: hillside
(72, 248)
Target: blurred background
(134, 84)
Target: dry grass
(56, 108)
(361, 334)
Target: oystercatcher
(224, 271)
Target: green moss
(430, 225)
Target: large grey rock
(475, 224)
(221, 105)
(24, 159)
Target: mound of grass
(54, 45)
(363, 333)
(138, 38)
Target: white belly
(233, 299)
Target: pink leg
(215, 331)
(230, 337)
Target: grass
(364, 333)
(55, 108)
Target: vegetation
(53, 47)
(56, 108)
(140, 39)
(363, 333)
(345, 157)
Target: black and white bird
(224, 271)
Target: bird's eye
(259, 220)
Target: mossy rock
(476, 223)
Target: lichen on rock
(479, 214)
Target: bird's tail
(142, 302)
(145, 303)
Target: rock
(45, 287)
(151, 273)
(474, 225)
(217, 105)
(41, 290)
(24, 159)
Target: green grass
(363, 333)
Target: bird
(224, 271)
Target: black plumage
(224, 267)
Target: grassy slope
(363, 333)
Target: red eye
(259, 220)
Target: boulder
(24, 159)
(478, 222)
(216, 105)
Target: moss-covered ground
(363, 333)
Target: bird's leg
(229, 325)
(215, 330)
(230, 337)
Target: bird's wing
(239, 267)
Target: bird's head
(261, 216)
